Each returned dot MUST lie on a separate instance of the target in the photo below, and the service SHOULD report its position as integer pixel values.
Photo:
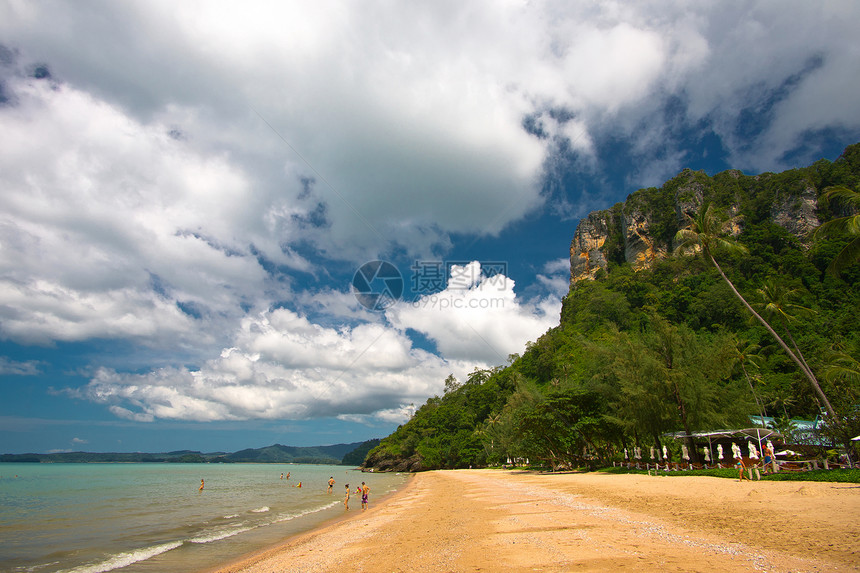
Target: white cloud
(9, 367)
(106, 225)
(283, 366)
(477, 317)
(556, 277)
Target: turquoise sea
(89, 518)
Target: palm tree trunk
(796, 348)
(792, 355)
(682, 410)
(749, 381)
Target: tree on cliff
(707, 232)
(849, 224)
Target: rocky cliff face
(586, 255)
(640, 231)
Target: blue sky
(188, 190)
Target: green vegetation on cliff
(638, 354)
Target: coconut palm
(776, 302)
(707, 234)
(842, 366)
(748, 354)
(849, 224)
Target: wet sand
(493, 520)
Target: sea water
(90, 518)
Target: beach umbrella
(719, 451)
(855, 439)
(684, 453)
(707, 454)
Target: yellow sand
(492, 520)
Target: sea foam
(126, 559)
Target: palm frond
(842, 194)
(836, 227)
(845, 257)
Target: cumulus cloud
(111, 228)
(284, 367)
(477, 317)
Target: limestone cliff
(640, 230)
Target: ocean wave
(289, 516)
(126, 559)
(263, 509)
(218, 535)
(233, 516)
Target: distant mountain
(292, 454)
(270, 454)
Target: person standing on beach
(201, 485)
(346, 499)
(365, 492)
(739, 463)
(768, 458)
(330, 483)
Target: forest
(741, 318)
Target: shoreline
(243, 562)
(465, 520)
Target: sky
(232, 224)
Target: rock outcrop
(640, 231)
(796, 214)
(586, 255)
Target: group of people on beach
(363, 490)
(741, 466)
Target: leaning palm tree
(707, 233)
(776, 301)
(748, 353)
(849, 224)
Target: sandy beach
(493, 520)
